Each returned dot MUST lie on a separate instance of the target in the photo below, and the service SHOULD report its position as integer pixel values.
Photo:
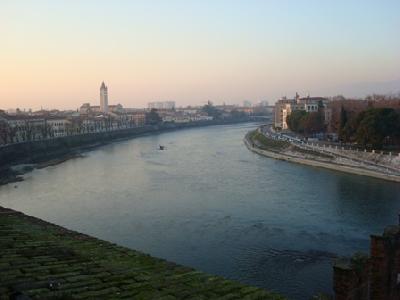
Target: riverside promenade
(40, 260)
(283, 149)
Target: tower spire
(103, 98)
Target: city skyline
(55, 53)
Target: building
(58, 126)
(86, 108)
(263, 103)
(103, 98)
(23, 128)
(247, 103)
(136, 117)
(284, 107)
(104, 107)
(116, 108)
(281, 112)
(168, 105)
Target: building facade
(284, 107)
(169, 105)
(281, 112)
(58, 126)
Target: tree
(211, 110)
(296, 121)
(29, 131)
(153, 118)
(4, 132)
(306, 123)
(377, 127)
(313, 123)
(342, 124)
(350, 128)
(237, 114)
(46, 130)
(338, 98)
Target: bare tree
(29, 131)
(4, 133)
(46, 130)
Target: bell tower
(103, 98)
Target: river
(209, 203)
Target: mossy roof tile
(43, 260)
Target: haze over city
(55, 53)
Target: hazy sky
(56, 53)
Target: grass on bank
(312, 152)
(267, 144)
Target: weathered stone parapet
(40, 260)
(351, 278)
(385, 264)
(373, 278)
(378, 267)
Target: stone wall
(376, 277)
(40, 260)
(34, 151)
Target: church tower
(103, 98)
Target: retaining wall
(34, 151)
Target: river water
(209, 203)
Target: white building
(162, 105)
(284, 107)
(58, 126)
(103, 98)
(311, 107)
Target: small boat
(162, 147)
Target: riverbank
(41, 260)
(18, 159)
(283, 150)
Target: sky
(55, 54)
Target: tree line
(306, 123)
(373, 128)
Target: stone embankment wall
(377, 158)
(385, 159)
(34, 151)
(341, 165)
(376, 277)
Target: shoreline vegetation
(19, 159)
(286, 151)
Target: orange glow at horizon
(55, 54)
